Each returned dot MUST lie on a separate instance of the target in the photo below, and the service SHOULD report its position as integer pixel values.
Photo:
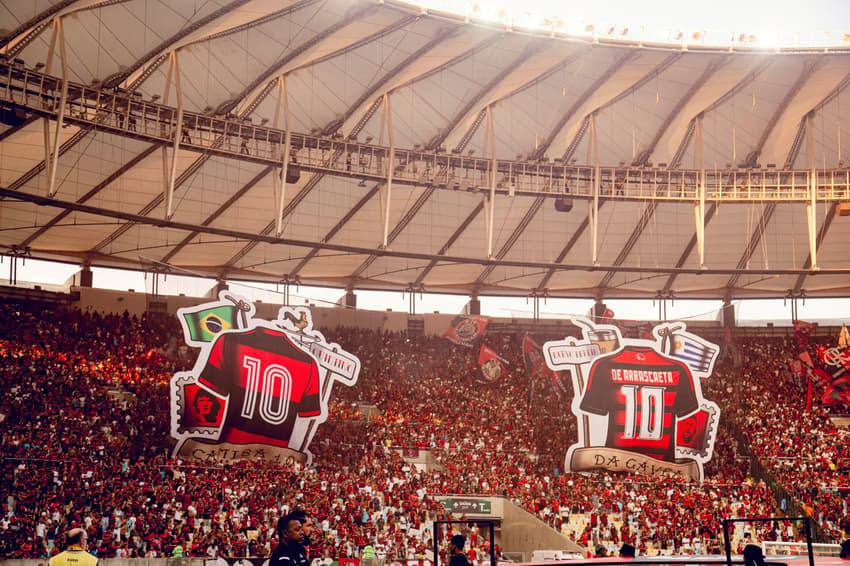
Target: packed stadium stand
(387, 146)
(85, 443)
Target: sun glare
(721, 23)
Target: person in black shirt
(307, 526)
(457, 557)
(845, 550)
(290, 551)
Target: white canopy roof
(393, 76)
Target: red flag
(797, 368)
(806, 359)
(838, 392)
(802, 331)
(465, 330)
(834, 357)
(809, 395)
(821, 377)
(492, 366)
(532, 355)
(535, 363)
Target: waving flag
(465, 330)
(696, 353)
(838, 392)
(535, 363)
(820, 377)
(802, 331)
(491, 365)
(205, 324)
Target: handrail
(127, 113)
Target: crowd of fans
(795, 441)
(84, 409)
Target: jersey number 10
(647, 405)
(273, 386)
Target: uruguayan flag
(695, 352)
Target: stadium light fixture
(585, 21)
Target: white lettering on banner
(643, 376)
(274, 386)
(648, 403)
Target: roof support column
(280, 182)
(51, 150)
(170, 173)
(699, 204)
(386, 193)
(593, 205)
(811, 205)
(490, 201)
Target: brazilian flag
(205, 324)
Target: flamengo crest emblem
(638, 402)
(259, 388)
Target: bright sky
(828, 312)
(770, 23)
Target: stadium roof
(427, 150)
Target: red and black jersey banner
(259, 389)
(639, 402)
(491, 365)
(466, 330)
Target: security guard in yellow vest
(75, 554)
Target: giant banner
(638, 402)
(259, 388)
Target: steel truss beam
(143, 219)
